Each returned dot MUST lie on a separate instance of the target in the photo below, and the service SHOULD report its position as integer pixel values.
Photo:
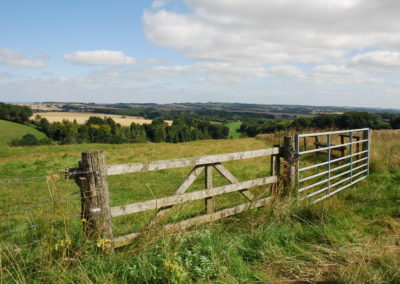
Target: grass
(233, 129)
(353, 237)
(11, 130)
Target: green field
(11, 130)
(353, 237)
(233, 129)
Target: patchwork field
(82, 117)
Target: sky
(309, 52)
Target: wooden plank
(209, 202)
(219, 214)
(191, 196)
(128, 239)
(190, 178)
(124, 240)
(185, 162)
(232, 179)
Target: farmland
(82, 117)
(350, 238)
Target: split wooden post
(365, 136)
(95, 199)
(209, 184)
(289, 169)
(316, 143)
(357, 146)
(275, 171)
(343, 148)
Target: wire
(29, 208)
(43, 177)
(36, 201)
(39, 224)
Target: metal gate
(329, 162)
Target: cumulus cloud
(15, 58)
(216, 72)
(335, 74)
(99, 57)
(159, 3)
(275, 31)
(382, 60)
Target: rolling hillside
(11, 130)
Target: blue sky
(317, 52)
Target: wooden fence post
(289, 169)
(275, 171)
(95, 199)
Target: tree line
(201, 114)
(347, 120)
(106, 130)
(15, 113)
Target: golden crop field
(81, 117)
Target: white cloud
(159, 3)
(275, 31)
(15, 58)
(337, 75)
(216, 72)
(99, 57)
(382, 60)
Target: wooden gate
(95, 195)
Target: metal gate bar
(356, 161)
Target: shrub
(30, 140)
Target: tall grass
(351, 238)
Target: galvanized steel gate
(332, 161)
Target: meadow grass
(11, 130)
(353, 237)
(233, 129)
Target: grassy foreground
(351, 238)
(11, 130)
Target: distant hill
(11, 130)
(151, 110)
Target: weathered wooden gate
(95, 201)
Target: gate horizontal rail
(356, 162)
(185, 162)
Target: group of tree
(347, 120)
(106, 130)
(30, 140)
(15, 113)
(200, 114)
